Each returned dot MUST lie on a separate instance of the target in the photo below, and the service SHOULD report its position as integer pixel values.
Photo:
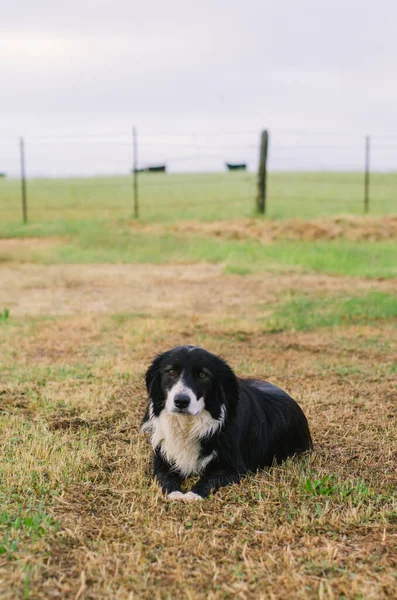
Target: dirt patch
(15, 400)
(197, 289)
(26, 250)
(13, 244)
(350, 228)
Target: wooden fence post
(366, 176)
(23, 180)
(262, 173)
(135, 171)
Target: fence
(157, 175)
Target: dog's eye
(171, 372)
(202, 375)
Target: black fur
(263, 425)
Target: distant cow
(153, 169)
(157, 169)
(236, 166)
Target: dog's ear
(153, 383)
(228, 389)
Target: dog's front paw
(191, 497)
(188, 497)
(176, 496)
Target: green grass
(91, 242)
(331, 486)
(342, 257)
(4, 315)
(24, 526)
(302, 313)
(89, 220)
(205, 196)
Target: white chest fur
(178, 437)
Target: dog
(206, 421)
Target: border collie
(203, 420)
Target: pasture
(88, 296)
(203, 196)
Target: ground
(80, 515)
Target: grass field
(203, 196)
(85, 303)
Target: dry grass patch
(23, 249)
(346, 227)
(80, 516)
(273, 535)
(323, 526)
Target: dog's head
(188, 379)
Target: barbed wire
(90, 152)
(142, 133)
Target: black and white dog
(204, 420)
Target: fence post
(366, 176)
(135, 171)
(23, 180)
(262, 173)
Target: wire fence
(203, 175)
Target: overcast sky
(94, 67)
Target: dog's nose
(181, 401)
